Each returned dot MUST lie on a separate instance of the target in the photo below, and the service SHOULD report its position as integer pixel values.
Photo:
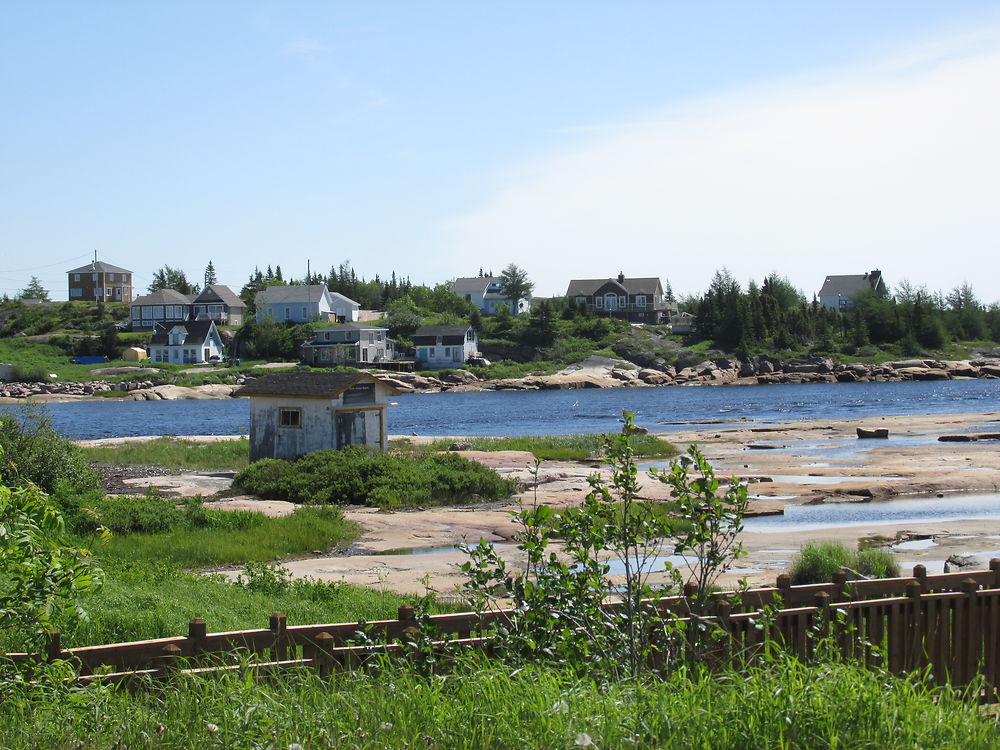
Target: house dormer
(178, 334)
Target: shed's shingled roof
(329, 384)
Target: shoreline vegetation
(140, 383)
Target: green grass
(302, 532)
(818, 561)
(783, 704)
(171, 453)
(564, 447)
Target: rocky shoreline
(594, 372)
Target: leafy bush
(818, 561)
(33, 452)
(356, 476)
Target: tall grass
(783, 704)
(305, 530)
(172, 453)
(563, 447)
(818, 561)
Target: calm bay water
(556, 412)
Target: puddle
(914, 544)
(405, 550)
(898, 512)
(841, 479)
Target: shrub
(33, 452)
(818, 561)
(356, 476)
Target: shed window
(289, 417)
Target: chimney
(621, 277)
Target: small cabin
(294, 413)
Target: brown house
(100, 282)
(635, 300)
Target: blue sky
(577, 139)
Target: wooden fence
(948, 623)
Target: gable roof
(587, 287)
(99, 267)
(327, 384)
(294, 293)
(197, 331)
(348, 300)
(220, 293)
(163, 297)
(851, 284)
(352, 327)
(472, 284)
(442, 330)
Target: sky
(576, 139)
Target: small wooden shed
(294, 413)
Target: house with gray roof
(445, 346)
(304, 303)
(837, 292)
(216, 302)
(350, 344)
(638, 300)
(294, 413)
(219, 303)
(159, 306)
(484, 293)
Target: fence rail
(949, 624)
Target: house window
(326, 336)
(599, 302)
(76, 277)
(640, 300)
(289, 417)
(470, 335)
(621, 301)
(93, 277)
(111, 277)
(77, 292)
(288, 313)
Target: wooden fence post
(784, 585)
(995, 567)
(323, 655)
(915, 655)
(408, 619)
(53, 645)
(279, 629)
(170, 658)
(197, 630)
(839, 579)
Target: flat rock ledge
(594, 372)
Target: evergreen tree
(210, 277)
(172, 278)
(34, 290)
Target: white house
(484, 293)
(294, 413)
(189, 342)
(445, 346)
(304, 303)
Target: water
(554, 413)
(898, 512)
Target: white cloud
(891, 164)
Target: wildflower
(386, 725)
(295, 746)
(560, 707)
(583, 740)
(213, 728)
